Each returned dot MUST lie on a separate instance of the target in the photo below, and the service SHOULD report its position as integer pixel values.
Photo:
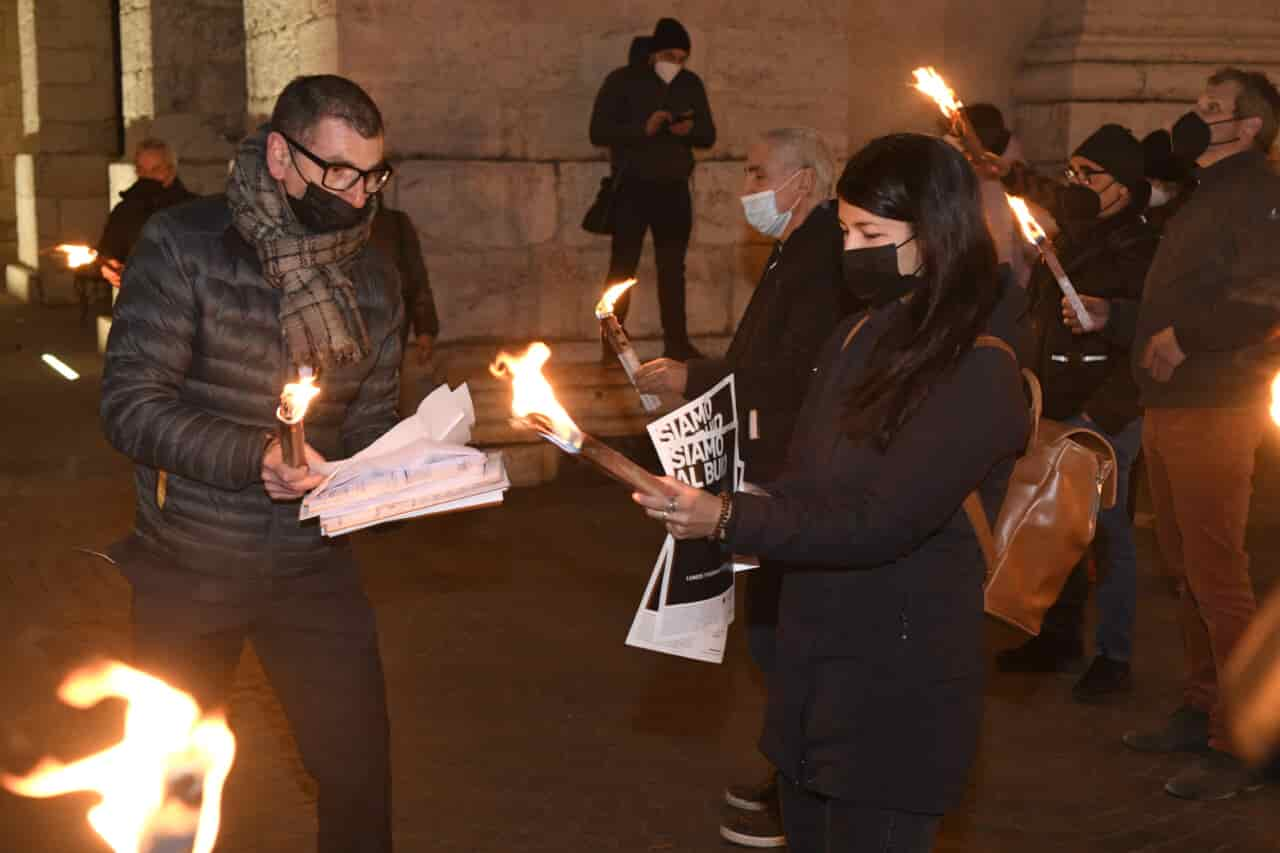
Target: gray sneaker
(1187, 730)
(761, 829)
(1213, 776)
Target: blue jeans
(1117, 562)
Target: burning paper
(161, 785)
(619, 340)
(1036, 236)
(76, 254)
(294, 400)
(534, 406)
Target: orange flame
(77, 255)
(930, 82)
(166, 740)
(1275, 399)
(295, 399)
(532, 394)
(605, 306)
(1030, 228)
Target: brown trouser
(1200, 466)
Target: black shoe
(761, 829)
(1187, 730)
(757, 797)
(1213, 776)
(1105, 678)
(1043, 653)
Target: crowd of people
(877, 374)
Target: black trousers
(817, 824)
(318, 644)
(666, 208)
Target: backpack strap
(1028, 378)
(982, 529)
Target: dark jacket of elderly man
(224, 300)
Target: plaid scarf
(319, 316)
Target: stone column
(69, 130)
(10, 127)
(183, 81)
(1140, 64)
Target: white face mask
(667, 70)
(762, 212)
(1159, 196)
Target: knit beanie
(669, 33)
(1118, 151)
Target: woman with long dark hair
(875, 701)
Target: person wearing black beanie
(651, 114)
(1106, 246)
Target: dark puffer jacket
(194, 369)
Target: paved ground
(521, 721)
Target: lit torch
(1036, 236)
(534, 406)
(930, 82)
(621, 343)
(76, 254)
(161, 785)
(293, 408)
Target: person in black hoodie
(1087, 382)
(158, 186)
(651, 117)
(794, 309)
(876, 697)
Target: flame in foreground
(1275, 400)
(167, 746)
(1030, 228)
(930, 82)
(77, 255)
(295, 399)
(532, 394)
(605, 306)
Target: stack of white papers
(422, 466)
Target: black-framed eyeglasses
(341, 177)
(1082, 175)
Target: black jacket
(1216, 281)
(393, 234)
(877, 692)
(1090, 373)
(792, 312)
(626, 100)
(194, 368)
(124, 223)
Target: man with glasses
(1106, 246)
(1204, 360)
(225, 300)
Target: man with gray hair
(158, 186)
(795, 308)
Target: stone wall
(10, 127)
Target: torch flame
(1030, 228)
(166, 742)
(295, 399)
(605, 306)
(1275, 399)
(532, 395)
(77, 255)
(930, 82)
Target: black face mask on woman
(1192, 136)
(320, 210)
(871, 274)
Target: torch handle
(973, 146)
(292, 444)
(621, 345)
(1064, 283)
(619, 467)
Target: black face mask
(871, 274)
(1078, 203)
(320, 210)
(1192, 136)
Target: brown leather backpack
(1049, 514)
